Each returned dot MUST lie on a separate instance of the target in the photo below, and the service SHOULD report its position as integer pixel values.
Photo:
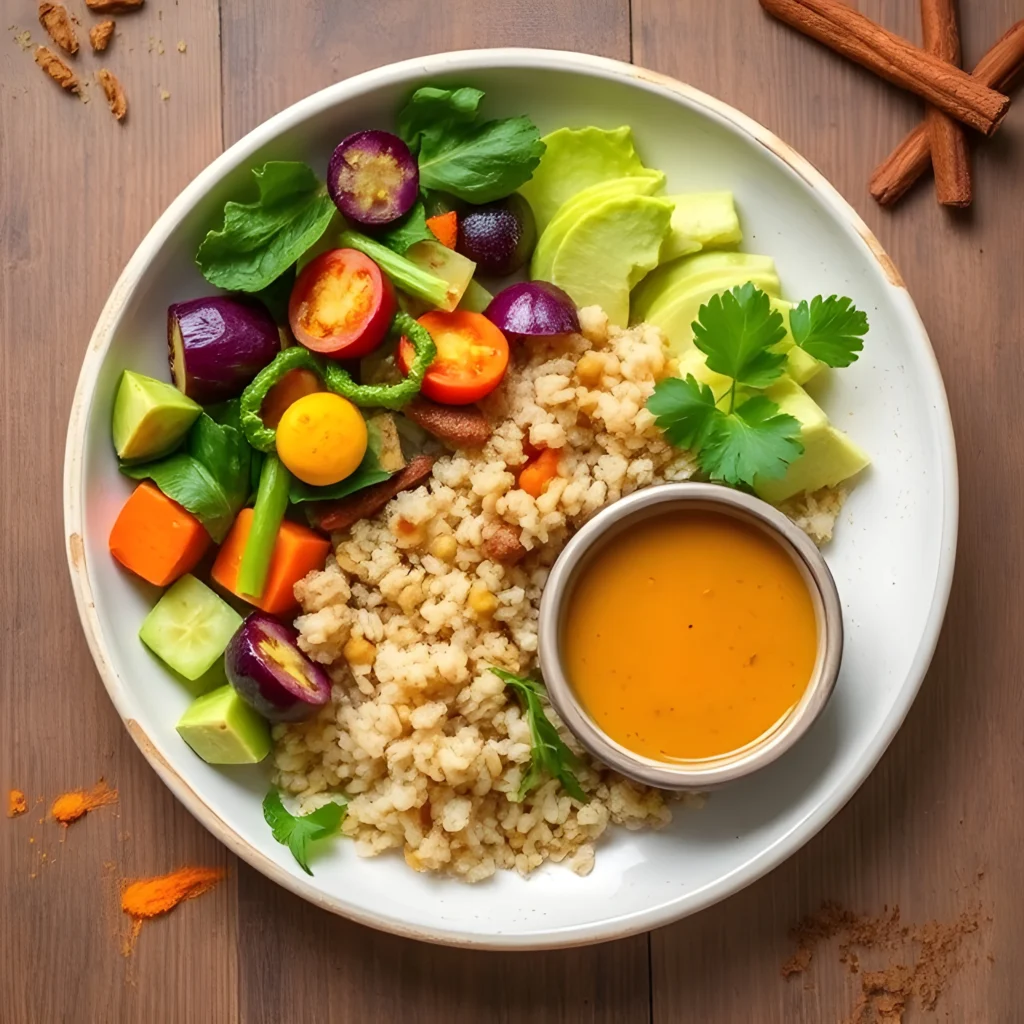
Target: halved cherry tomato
(341, 304)
(472, 355)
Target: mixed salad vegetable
(355, 328)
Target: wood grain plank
(296, 962)
(945, 803)
(79, 191)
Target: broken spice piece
(56, 69)
(16, 803)
(182, 46)
(54, 18)
(114, 92)
(150, 897)
(101, 34)
(69, 807)
(113, 6)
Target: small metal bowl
(628, 513)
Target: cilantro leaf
(736, 331)
(298, 832)
(473, 160)
(684, 409)
(260, 240)
(548, 753)
(408, 230)
(829, 329)
(754, 441)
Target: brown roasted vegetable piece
(101, 34)
(333, 516)
(114, 92)
(461, 426)
(113, 6)
(56, 69)
(54, 18)
(504, 546)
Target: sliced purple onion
(264, 664)
(373, 178)
(217, 345)
(533, 309)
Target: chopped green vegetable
(298, 831)
(548, 755)
(736, 331)
(261, 240)
(211, 477)
(407, 230)
(473, 160)
(829, 329)
(403, 272)
(267, 515)
(338, 380)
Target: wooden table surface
(77, 194)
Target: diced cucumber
(189, 627)
(222, 729)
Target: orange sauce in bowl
(689, 636)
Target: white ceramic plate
(892, 557)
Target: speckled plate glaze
(892, 557)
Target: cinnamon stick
(950, 156)
(999, 68)
(854, 36)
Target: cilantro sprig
(297, 832)
(548, 753)
(740, 435)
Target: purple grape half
(264, 664)
(498, 237)
(533, 309)
(373, 178)
(217, 345)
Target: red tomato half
(472, 355)
(341, 304)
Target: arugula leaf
(475, 161)
(298, 832)
(260, 240)
(211, 476)
(829, 329)
(684, 409)
(435, 109)
(736, 331)
(408, 230)
(754, 441)
(548, 754)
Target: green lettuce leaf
(408, 230)
(259, 241)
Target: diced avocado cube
(150, 417)
(222, 729)
(189, 627)
(829, 455)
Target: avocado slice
(570, 212)
(829, 457)
(575, 159)
(222, 729)
(150, 417)
(609, 250)
(701, 220)
(189, 627)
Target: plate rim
(623, 925)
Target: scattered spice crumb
(54, 18)
(56, 69)
(114, 6)
(182, 46)
(164, 94)
(24, 39)
(16, 803)
(151, 897)
(114, 92)
(885, 994)
(100, 35)
(69, 807)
